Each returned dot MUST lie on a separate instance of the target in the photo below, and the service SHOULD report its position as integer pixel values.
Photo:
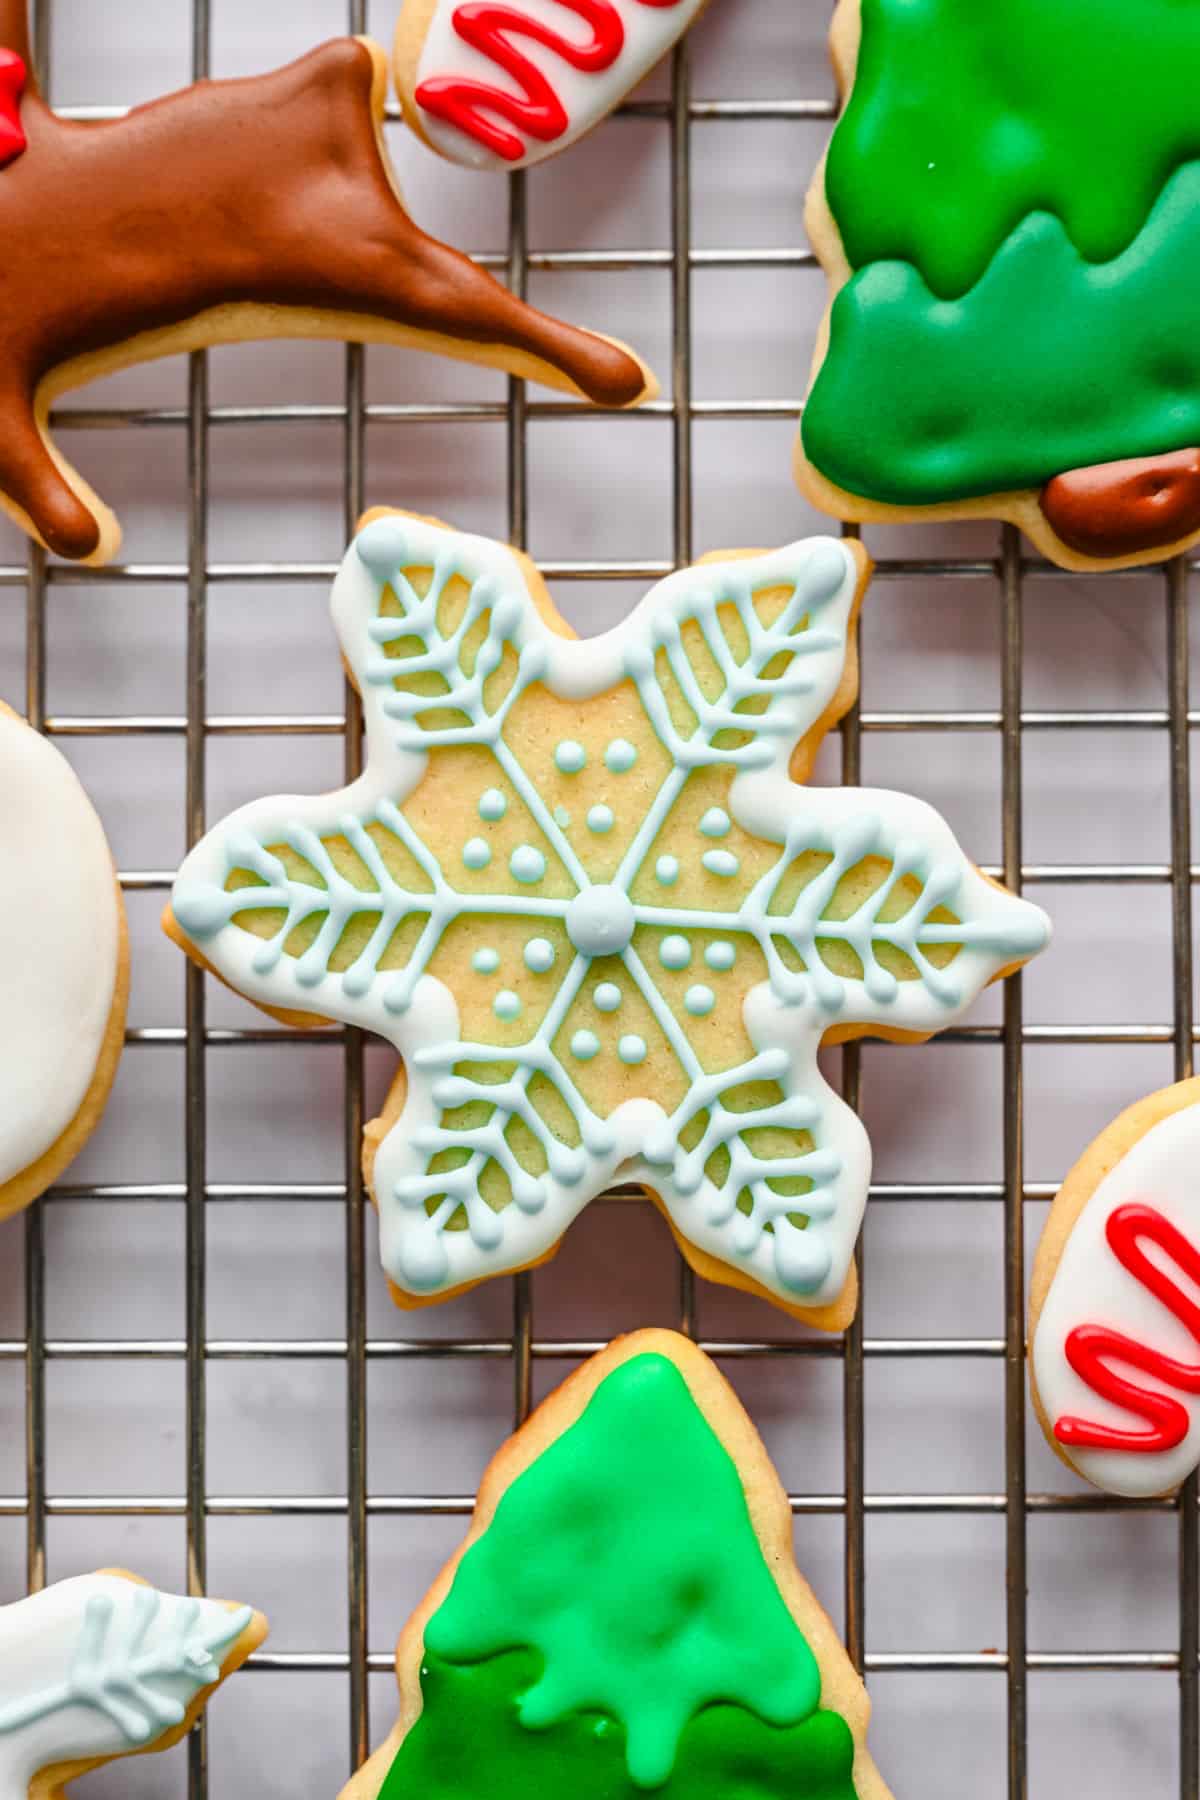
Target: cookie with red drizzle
(496, 84)
(1115, 1322)
(230, 211)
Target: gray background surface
(1098, 1007)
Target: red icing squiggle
(539, 111)
(13, 75)
(1091, 1348)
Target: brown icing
(1120, 508)
(273, 192)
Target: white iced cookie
(504, 86)
(64, 975)
(103, 1666)
(1114, 1324)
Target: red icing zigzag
(490, 28)
(1091, 1348)
(12, 86)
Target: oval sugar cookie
(64, 978)
(506, 86)
(1114, 1326)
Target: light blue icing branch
(747, 721)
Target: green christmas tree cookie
(625, 1617)
(1009, 216)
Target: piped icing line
(1115, 1349)
(62, 917)
(503, 85)
(101, 1666)
(13, 77)
(742, 1218)
(1092, 1350)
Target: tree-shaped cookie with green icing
(582, 890)
(625, 1617)
(1009, 215)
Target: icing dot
(600, 819)
(493, 805)
(827, 568)
(666, 870)
(715, 823)
(527, 864)
(485, 961)
(570, 757)
(562, 817)
(700, 1000)
(600, 921)
(477, 854)
(585, 1045)
(632, 1049)
(200, 910)
(720, 862)
(720, 955)
(383, 547)
(620, 756)
(507, 1005)
(539, 955)
(674, 953)
(607, 996)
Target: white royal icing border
(650, 31)
(100, 1666)
(786, 1017)
(61, 945)
(1090, 1287)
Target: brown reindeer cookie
(230, 211)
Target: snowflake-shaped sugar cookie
(101, 1666)
(579, 889)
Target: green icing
(967, 115)
(1048, 364)
(625, 1562)
(1016, 184)
(469, 1744)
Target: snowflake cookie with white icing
(1114, 1326)
(65, 977)
(580, 889)
(505, 86)
(103, 1666)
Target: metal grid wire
(1011, 572)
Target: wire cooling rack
(1050, 1679)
